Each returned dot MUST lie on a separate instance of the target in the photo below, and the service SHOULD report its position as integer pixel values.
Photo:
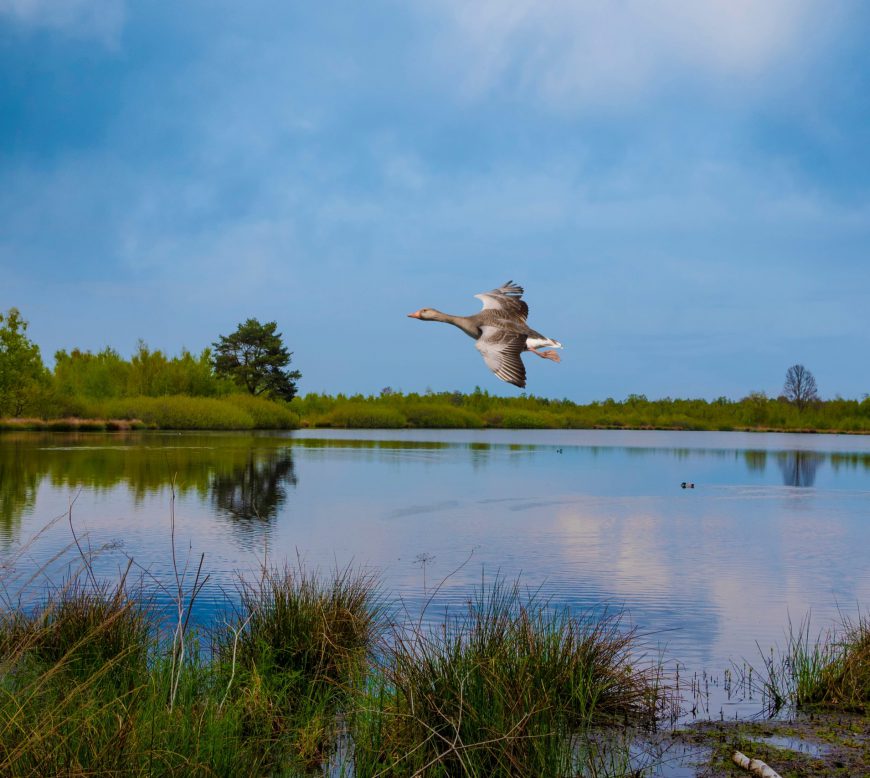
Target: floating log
(755, 766)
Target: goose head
(425, 314)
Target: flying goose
(501, 332)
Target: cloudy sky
(683, 188)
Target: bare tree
(800, 386)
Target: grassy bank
(172, 412)
(451, 410)
(92, 683)
(481, 409)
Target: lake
(777, 525)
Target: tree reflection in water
(256, 489)
(799, 467)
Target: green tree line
(243, 382)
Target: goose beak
(415, 315)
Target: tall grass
(831, 669)
(503, 691)
(364, 415)
(480, 408)
(296, 646)
(88, 687)
(236, 412)
(440, 415)
(224, 410)
(92, 682)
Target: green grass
(831, 669)
(236, 412)
(365, 416)
(438, 415)
(481, 409)
(509, 689)
(393, 410)
(89, 686)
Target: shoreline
(84, 424)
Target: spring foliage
(244, 383)
(254, 358)
(22, 375)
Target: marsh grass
(71, 425)
(301, 665)
(87, 686)
(364, 415)
(513, 687)
(294, 649)
(307, 670)
(441, 415)
(831, 669)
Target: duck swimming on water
(501, 332)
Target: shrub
(267, 414)
(443, 416)
(179, 412)
(522, 419)
(365, 416)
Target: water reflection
(18, 485)
(244, 478)
(756, 461)
(799, 467)
(248, 477)
(258, 488)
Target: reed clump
(510, 418)
(830, 670)
(182, 412)
(86, 628)
(295, 647)
(511, 688)
(71, 671)
(87, 686)
(297, 623)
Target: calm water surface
(776, 526)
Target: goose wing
(507, 300)
(501, 350)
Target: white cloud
(101, 20)
(601, 52)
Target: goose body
(500, 331)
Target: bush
(179, 412)
(267, 414)
(365, 416)
(444, 416)
(522, 419)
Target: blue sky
(682, 188)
